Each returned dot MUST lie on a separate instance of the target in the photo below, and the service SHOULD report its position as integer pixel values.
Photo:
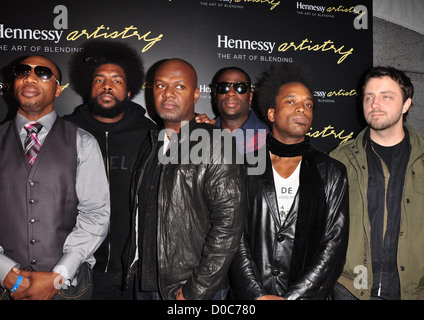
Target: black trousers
(108, 286)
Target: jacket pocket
(83, 288)
(354, 197)
(418, 182)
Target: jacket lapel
(266, 180)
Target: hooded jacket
(119, 143)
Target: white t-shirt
(286, 190)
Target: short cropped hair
(223, 70)
(396, 75)
(95, 53)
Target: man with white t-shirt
(286, 189)
(296, 229)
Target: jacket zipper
(158, 234)
(386, 182)
(108, 180)
(129, 272)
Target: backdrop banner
(331, 39)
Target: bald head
(175, 92)
(180, 64)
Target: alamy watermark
(361, 20)
(218, 148)
(361, 280)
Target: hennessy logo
(225, 42)
(60, 22)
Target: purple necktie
(32, 144)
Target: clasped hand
(35, 285)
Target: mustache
(231, 100)
(111, 112)
(29, 86)
(108, 93)
(170, 101)
(376, 111)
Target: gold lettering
(342, 92)
(128, 32)
(329, 131)
(272, 3)
(327, 45)
(342, 9)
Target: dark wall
(253, 35)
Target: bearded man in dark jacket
(296, 229)
(108, 75)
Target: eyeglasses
(23, 71)
(239, 87)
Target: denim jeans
(341, 293)
(153, 295)
(220, 294)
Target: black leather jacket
(200, 217)
(262, 264)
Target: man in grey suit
(53, 190)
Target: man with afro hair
(108, 74)
(296, 227)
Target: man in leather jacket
(296, 229)
(187, 215)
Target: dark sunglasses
(23, 71)
(239, 87)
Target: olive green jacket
(357, 273)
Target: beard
(110, 112)
(169, 116)
(28, 104)
(384, 124)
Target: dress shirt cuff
(6, 264)
(67, 267)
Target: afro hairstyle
(95, 53)
(272, 81)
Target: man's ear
(406, 105)
(59, 89)
(196, 95)
(271, 114)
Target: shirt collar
(47, 121)
(248, 124)
(250, 121)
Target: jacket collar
(185, 129)
(133, 115)
(417, 144)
